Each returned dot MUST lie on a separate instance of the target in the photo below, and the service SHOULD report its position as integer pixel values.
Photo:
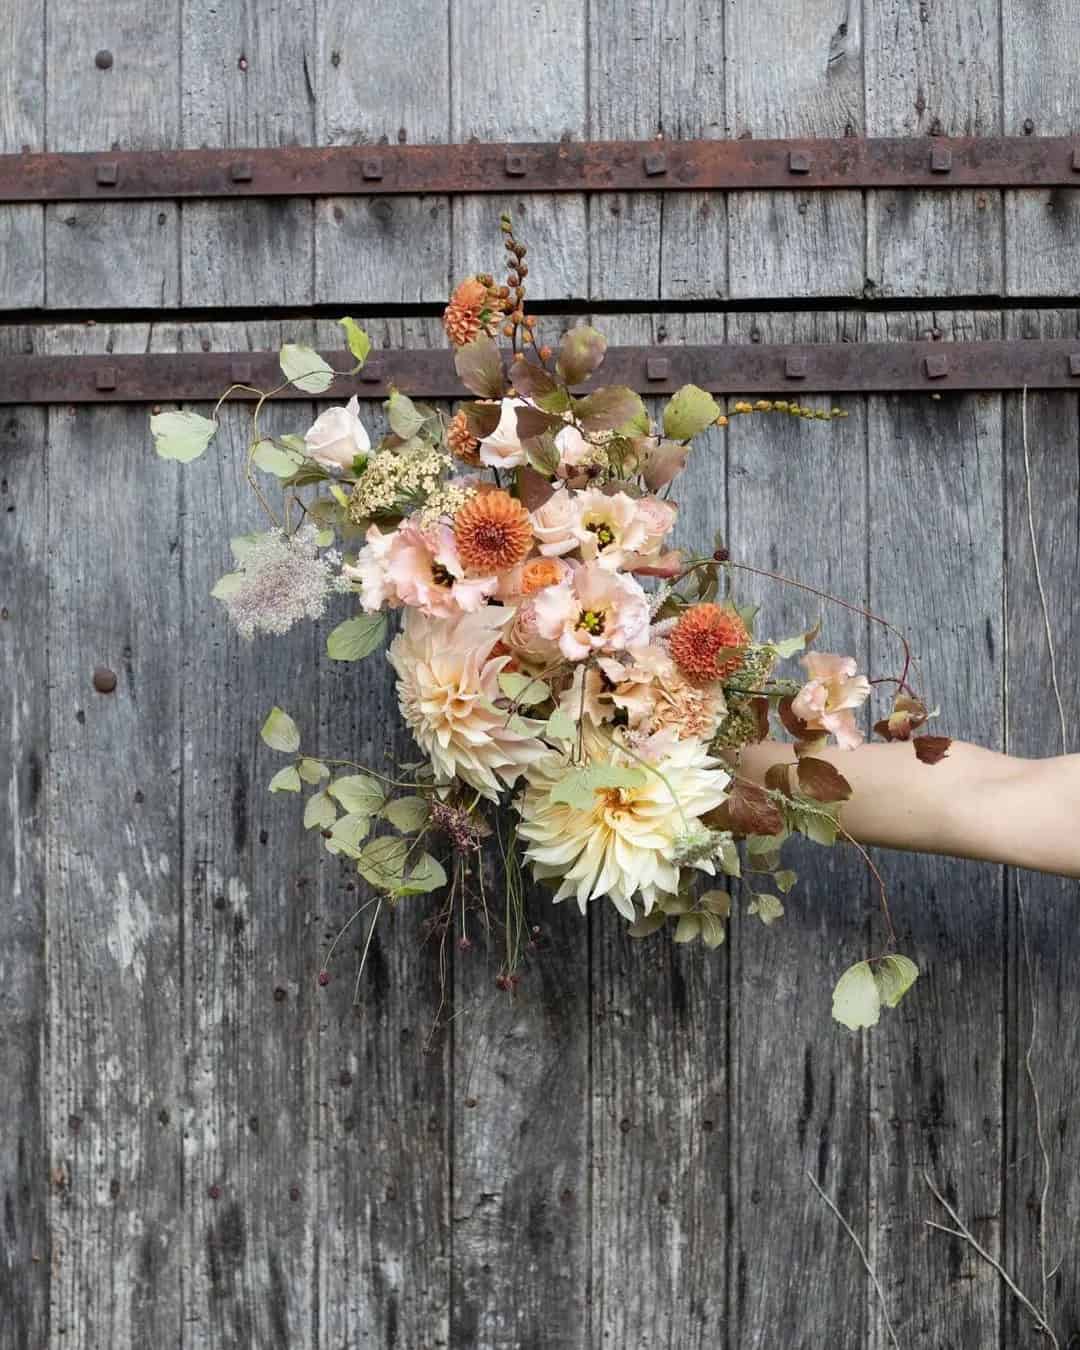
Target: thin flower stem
(878, 878)
(367, 944)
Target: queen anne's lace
(284, 579)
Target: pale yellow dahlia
(622, 844)
(448, 682)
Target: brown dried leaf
(751, 810)
(482, 418)
(822, 781)
(479, 367)
(792, 722)
(778, 778)
(931, 749)
(531, 380)
(607, 408)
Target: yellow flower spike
(743, 407)
(763, 405)
(781, 405)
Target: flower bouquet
(552, 651)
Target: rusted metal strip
(787, 371)
(562, 166)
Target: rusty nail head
(242, 372)
(371, 169)
(936, 367)
(798, 161)
(795, 367)
(657, 368)
(1074, 363)
(241, 171)
(105, 378)
(107, 174)
(655, 164)
(371, 373)
(104, 680)
(940, 159)
(515, 165)
(103, 59)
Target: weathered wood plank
(113, 856)
(122, 254)
(795, 70)
(24, 740)
(384, 1092)
(660, 1062)
(936, 571)
(1041, 84)
(917, 82)
(644, 244)
(250, 915)
(797, 503)
(382, 75)
(22, 128)
(1052, 985)
(541, 97)
(247, 82)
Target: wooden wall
(200, 1147)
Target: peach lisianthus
(828, 699)
(594, 610)
(425, 570)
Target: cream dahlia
(448, 682)
(621, 845)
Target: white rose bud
(337, 436)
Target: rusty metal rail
(562, 166)
(788, 371)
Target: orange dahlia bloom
(493, 532)
(474, 308)
(461, 441)
(701, 643)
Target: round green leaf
(280, 732)
(305, 368)
(286, 780)
(690, 411)
(356, 638)
(181, 435)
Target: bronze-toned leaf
(792, 722)
(821, 781)
(931, 749)
(479, 367)
(908, 713)
(530, 379)
(607, 408)
(778, 777)
(751, 810)
(531, 422)
(580, 353)
(482, 418)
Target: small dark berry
(324, 978)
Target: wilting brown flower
(493, 532)
(460, 440)
(474, 308)
(701, 642)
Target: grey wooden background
(198, 1146)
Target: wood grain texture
(122, 254)
(797, 506)
(22, 128)
(383, 76)
(795, 70)
(384, 1094)
(247, 81)
(114, 890)
(1041, 83)
(24, 750)
(543, 99)
(250, 929)
(936, 71)
(936, 1062)
(1043, 971)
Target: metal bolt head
(103, 60)
(105, 378)
(241, 372)
(241, 171)
(107, 173)
(940, 159)
(936, 367)
(657, 368)
(1074, 363)
(798, 161)
(795, 367)
(371, 373)
(655, 164)
(515, 165)
(371, 169)
(104, 680)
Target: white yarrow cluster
(283, 579)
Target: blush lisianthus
(828, 700)
(621, 845)
(448, 682)
(593, 610)
(425, 570)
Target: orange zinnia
(493, 532)
(702, 640)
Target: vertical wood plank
(384, 1092)
(797, 501)
(247, 81)
(250, 925)
(114, 969)
(24, 738)
(660, 1061)
(917, 83)
(22, 128)
(99, 253)
(382, 73)
(647, 244)
(795, 70)
(936, 1074)
(1041, 82)
(542, 97)
(1052, 984)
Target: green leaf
(785, 879)
(313, 770)
(320, 812)
(405, 418)
(648, 923)
(324, 538)
(280, 732)
(689, 411)
(407, 814)
(525, 690)
(580, 353)
(767, 907)
(358, 794)
(578, 786)
(856, 999)
(305, 368)
(607, 408)
(713, 930)
(355, 638)
(182, 436)
(542, 454)
(894, 975)
(358, 340)
(688, 927)
(227, 585)
(382, 861)
(427, 875)
(270, 459)
(788, 647)
(716, 902)
(480, 369)
(560, 727)
(286, 780)
(242, 544)
(347, 833)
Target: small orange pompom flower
(493, 532)
(701, 643)
(474, 308)
(460, 440)
(539, 573)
